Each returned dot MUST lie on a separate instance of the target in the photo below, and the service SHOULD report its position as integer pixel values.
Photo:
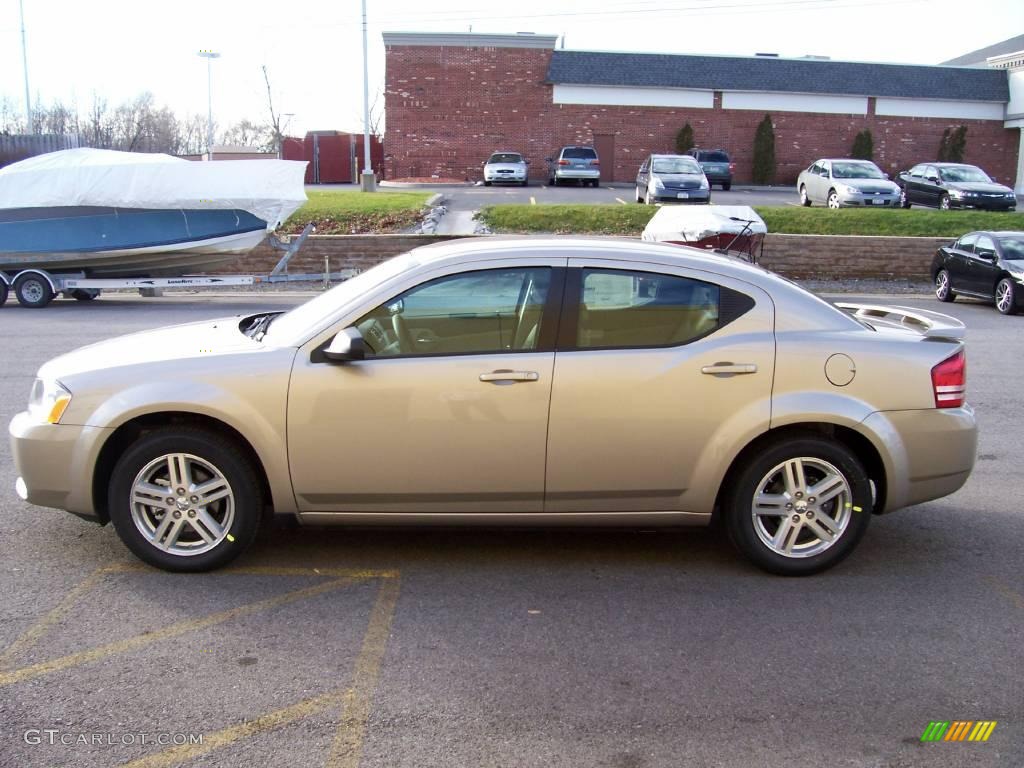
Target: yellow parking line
(621, 201)
(355, 701)
(795, 205)
(37, 630)
(212, 741)
(139, 641)
(347, 749)
(533, 200)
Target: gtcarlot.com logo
(958, 730)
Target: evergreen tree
(684, 139)
(863, 146)
(764, 152)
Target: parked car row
(842, 183)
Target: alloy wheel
(802, 507)
(1004, 297)
(942, 285)
(182, 504)
(833, 201)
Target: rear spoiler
(932, 325)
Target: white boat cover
(689, 224)
(271, 190)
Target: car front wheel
(1006, 297)
(799, 506)
(944, 203)
(185, 499)
(944, 286)
(833, 199)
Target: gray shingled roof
(1012, 45)
(727, 73)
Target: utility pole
(209, 56)
(24, 65)
(368, 180)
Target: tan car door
(660, 372)
(449, 412)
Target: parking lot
(418, 648)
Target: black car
(953, 185)
(716, 164)
(983, 265)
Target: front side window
(643, 309)
(985, 246)
(496, 310)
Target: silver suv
(574, 164)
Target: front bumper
(55, 463)
(869, 201)
(509, 177)
(692, 195)
(983, 204)
(931, 452)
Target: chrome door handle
(507, 375)
(728, 368)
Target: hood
(176, 342)
(870, 185)
(977, 186)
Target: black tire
(487, 183)
(3, 293)
(33, 291)
(727, 186)
(805, 199)
(220, 453)
(944, 286)
(904, 202)
(944, 204)
(85, 294)
(526, 182)
(1006, 304)
(639, 196)
(739, 518)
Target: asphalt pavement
(627, 649)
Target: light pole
(369, 182)
(209, 56)
(24, 64)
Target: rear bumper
(54, 463)
(931, 452)
(578, 173)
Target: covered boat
(734, 229)
(112, 214)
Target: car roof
(843, 160)
(576, 146)
(506, 152)
(668, 155)
(949, 165)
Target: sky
(313, 48)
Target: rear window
(714, 157)
(579, 153)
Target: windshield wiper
(257, 329)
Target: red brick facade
(448, 108)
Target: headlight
(956, 194)
(850, 190)
(704, 184)
(659, 183)
(48, 401)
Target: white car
(506, 168)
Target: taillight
(563, 162)
(595, 162)
(732, 167)
(949, 381)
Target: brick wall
(448, 108)
(796, 256)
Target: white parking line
(795, 205)
(533, 200)
(621, 201)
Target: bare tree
(275, 117)
(246, 133)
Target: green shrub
(764, 152)
(684, 139)
(953, 145)
(863, 146)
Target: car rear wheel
(185, 499)
(833, 199)
(487, 183)
(639, 195)
(944, 203)
(799, 506)
(805, 201)
(944, 286)
(727, 186)
(1006, 297)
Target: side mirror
(933, 179)
(549, 159)
(986, 255)
(348, 345)
(886, 175)
(527, 162)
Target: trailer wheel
(33, 291)
(85, 294)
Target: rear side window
(621, 308)
(966, 243)
(714, 157)
(579, 153)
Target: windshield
(675, 165)
(305, 317)
(1013, 248)
(505, 157)
(579, 153)
(856, 171)
(963, 173)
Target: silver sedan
(844, 183)
(512, 381)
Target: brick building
(452, 99)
